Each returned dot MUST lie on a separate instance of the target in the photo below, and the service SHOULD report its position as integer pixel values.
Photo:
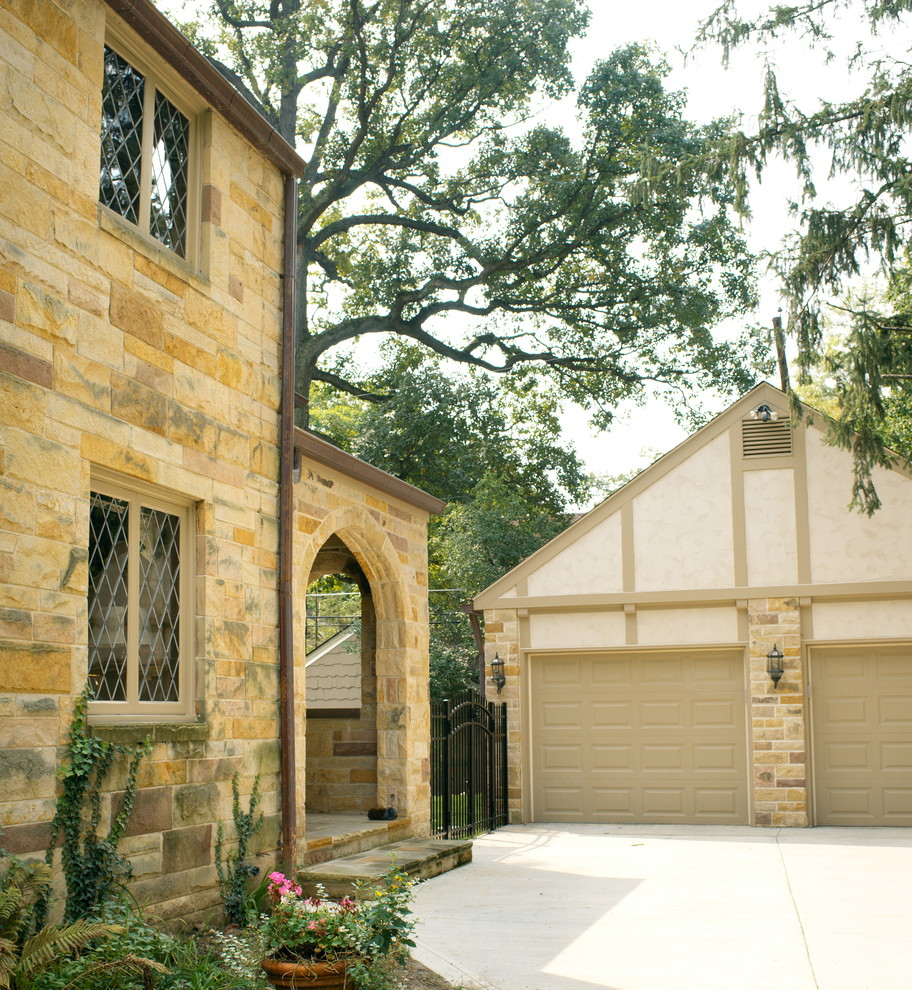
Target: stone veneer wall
(778, 725)
(114, 353)
(388, 538)
(502, 638)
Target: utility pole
(779, 337)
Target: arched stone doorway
(356, 521)
(341, 685)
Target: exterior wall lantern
(497, 673)
(764, 413)
(774, 664)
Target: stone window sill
(130, 733)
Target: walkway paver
(674, 908)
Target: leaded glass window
(145, 154)
(136, 603)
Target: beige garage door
(639, 737)
(861, 704)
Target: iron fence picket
(468, 766)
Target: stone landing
(419, 858)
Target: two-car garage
(723, 640)
(661, 737)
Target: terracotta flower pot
(301, 975)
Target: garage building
(638, 644)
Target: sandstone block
(136, 315)
(34, 668)
(196, 804)
(186, 848)
(151, 810)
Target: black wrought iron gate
(468, 766)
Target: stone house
(160, 516)
(642, 645)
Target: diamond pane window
(108, 551)
(145, 155)
(121, 137)
(159, 606)
(137, 601)
(169, 175)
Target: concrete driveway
(643, 907)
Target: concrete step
(419, 858)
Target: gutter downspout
(286, 539)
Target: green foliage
(92, 868)
(432, 211)
(23, 955)
(866, 142)
(141, 957)
(453, 666)
(234, 872)
(482, 539)
(858, 381)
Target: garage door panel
(566, 676)
(717, 801)
(897, 802)
(613, 801)
(567, 758)
(861, 708)
(718, 713)
(665, 801)
(896, 665)
(896, 712)
(561, 716)
(611, 715)
(716, 758)
(563, 800)
(612, 672)
(846, 757)
(665, 672)
(896, 756)
(719, 670)
(653, 745)
(663, 758)
(614, 758)
(665, 714)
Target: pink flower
(347, 904)
(280, 886)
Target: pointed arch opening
(341, 683)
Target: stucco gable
(687, 531)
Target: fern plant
(22, 955)
(92, 867)
(234, 872)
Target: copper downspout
(286, 538)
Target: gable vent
(759, 439)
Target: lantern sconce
(497, 673)
(774, 664)
(764, 413)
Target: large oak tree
(440, 205)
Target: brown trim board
(353, 467)
(859, 591)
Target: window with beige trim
(138, 603)
(146, 148)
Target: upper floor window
(145, 154)
(138, 604)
